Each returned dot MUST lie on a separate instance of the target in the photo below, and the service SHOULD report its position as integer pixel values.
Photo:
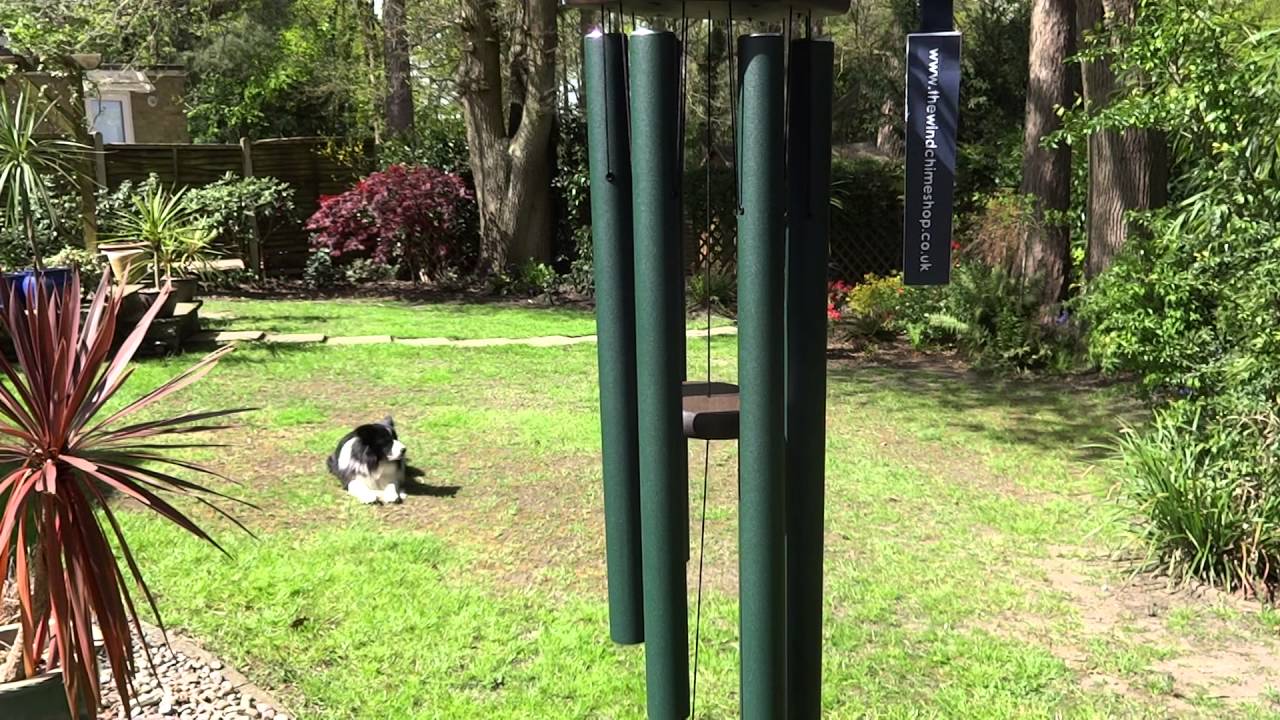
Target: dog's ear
(389, 422)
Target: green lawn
(967, 539)
(460, 321)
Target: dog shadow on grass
(415, 486)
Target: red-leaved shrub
(408, 215)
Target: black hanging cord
(604, 47)
(708, 137)
(702, 547)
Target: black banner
(933, 102)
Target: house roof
(119, 81)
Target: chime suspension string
(608, 146)
(706, 462)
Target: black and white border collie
(370, 463)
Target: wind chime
(780, 110)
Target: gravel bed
(191, 685)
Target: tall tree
(1046, 171)
(510, 162)
(399, 71)
(1128, 169)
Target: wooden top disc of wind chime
(710, 410)
(738, 9)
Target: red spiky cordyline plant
(59, 464)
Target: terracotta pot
(121, 256)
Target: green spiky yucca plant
(162, 220)
(61, 461)
(29, 157)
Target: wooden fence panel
(300, 162)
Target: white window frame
(126, 108)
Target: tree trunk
(13, 666)
(1046, 172)
(374, 65)
(70, 114)
(889, 140)
(399, 72)
(1128, 170)
(509, 159)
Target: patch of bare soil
(1209, 646)
(533, 525)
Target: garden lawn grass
(485, 598)
(459, 321)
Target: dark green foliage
(90, 266)
(717, 289)
(1192, 305)
(438, 141)
(367, 270)
(320, 271)
(1203, 490)
(866, 217)
(280, 68)
(993, 317)
(52, 232)
(232, 205)
(571, 194)
(527, 279)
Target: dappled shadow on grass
(1079, 414)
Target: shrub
(402, 215)
(320, 271)
(69, 448)
(175, 237)
(231, 206)
(717, 289)
(867, 309)
(994, 318)
(1191, 304)
(527, 278)
(1202, 490)
(53, 231)
(366, 270)
(90, 266)
(571, 186)
(873, 304)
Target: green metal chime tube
(761, 373)
(659, 303)
(613, 260)
(808, 223)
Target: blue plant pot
(54, 280)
